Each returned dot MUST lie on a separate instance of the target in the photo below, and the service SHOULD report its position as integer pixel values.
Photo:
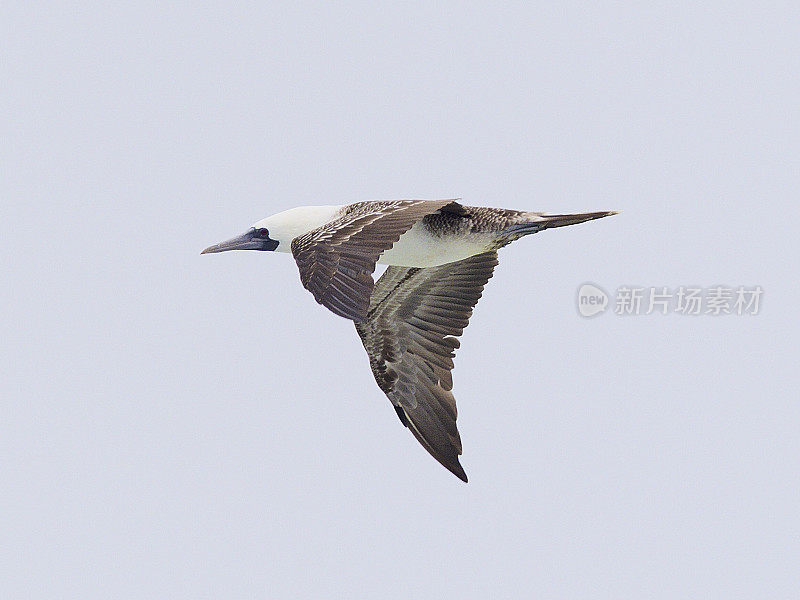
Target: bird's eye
(262, 233)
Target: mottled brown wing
(336, 261)
(410, 337)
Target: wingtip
(454, 467)
(452, 464)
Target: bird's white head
(276, 233)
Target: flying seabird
(440, 255)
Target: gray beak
(251, 240)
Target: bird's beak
(246, 241)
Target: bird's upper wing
(409, 335)
(336, 261)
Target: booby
(440, 255)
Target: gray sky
(178, 426)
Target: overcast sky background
(185, 426)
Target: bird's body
(425, 245)
(435, 239)
(440, 256)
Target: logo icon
(592, 300)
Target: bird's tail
(535, 221)
(546, 221)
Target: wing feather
(410, 335)
(336, 261)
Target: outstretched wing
(336, 261)
(410, 336)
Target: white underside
(418, 248)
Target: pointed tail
(545, 221)
(534, 222)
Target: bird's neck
(289, 224)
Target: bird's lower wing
(336, 261)
(410, 335)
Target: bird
(439, 255)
